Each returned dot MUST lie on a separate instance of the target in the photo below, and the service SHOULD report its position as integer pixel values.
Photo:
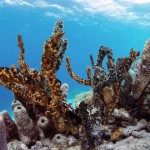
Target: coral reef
(106, 90)
(114, 115)
(41, 92)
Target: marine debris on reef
(114, 115)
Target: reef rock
(142, 79)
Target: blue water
(120, 25)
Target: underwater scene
(74, 75)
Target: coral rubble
(114, 115)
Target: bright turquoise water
(120, 25)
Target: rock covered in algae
(132, 143)
(142, 79)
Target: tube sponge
(64, 87)
(3, 144)
(15, 103)
(26, 129)
(42, 125)
(11, 128)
